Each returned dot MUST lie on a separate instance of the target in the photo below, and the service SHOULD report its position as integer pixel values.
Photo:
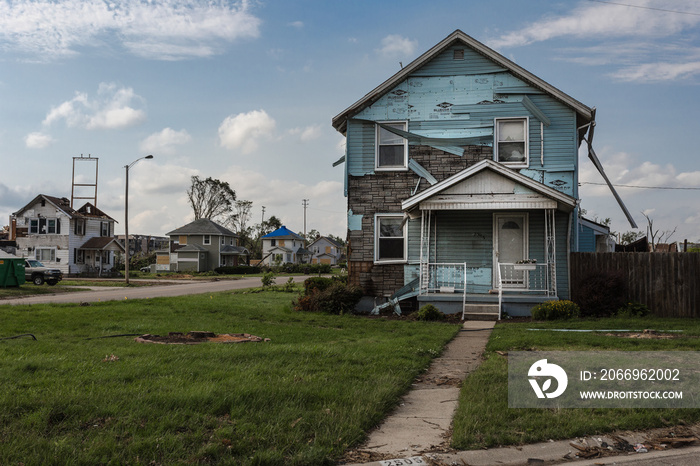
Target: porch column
(551, 252)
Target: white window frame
(104, 229)
(52, 254)
(377, 222)
(206, 240)
(378, 129)
(526, 122)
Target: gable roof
(320, 238)
(202, 226)
(584, 112)
(282, 233)
(535, 194)
(63, 204)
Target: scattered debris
(662, 439)
(111, 358)
(196, 337)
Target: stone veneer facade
(383, 192)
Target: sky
(244, 92)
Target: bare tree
(210, 198)
(238, 221)
(657, 236)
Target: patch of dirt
(196, 337)
(647, 334)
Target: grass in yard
(302, 398)
(483, 418)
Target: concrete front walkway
(423, 419)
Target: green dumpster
(11, 270)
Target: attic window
(458, 54)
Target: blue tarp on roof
(283, 232)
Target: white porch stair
(481, 311)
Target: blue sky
(245, 92)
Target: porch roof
(489, 185)
(102, 243)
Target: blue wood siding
(467, 105)
(445, 64)
(586, 239)
(467, 236)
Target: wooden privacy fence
(668, 283)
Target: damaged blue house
(461, 177)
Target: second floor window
(207, 240)
(392, 149)
(510, 144)
(45, 226)
(104, 229)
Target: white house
(283, 246)
(74, 241)
(325, 251)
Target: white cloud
(164, 141)
(242, 131)
(603, 21)
(296, 24)
(111, 109)
(38, 140)
(160, 29)
(395, 45)
(307, 134)
(653, 72)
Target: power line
(641, 187)
(648, 8)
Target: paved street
(184, 287)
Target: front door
(510, 246)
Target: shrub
(237, 270)
(601, 294)
(429, 313)
(317, 283)
(337, 299)
(556, 310)
(633, 309)
(289, 286)
(268, 279)
(334, 299)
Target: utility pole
(305, 203)
(263, 215)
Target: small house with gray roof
(200, 246)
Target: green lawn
(302, 398)
(483, 418)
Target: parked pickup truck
(37, 273)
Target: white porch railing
(526, 278)
(445, 278)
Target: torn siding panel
(360, 148)
(354, 221)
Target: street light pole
(126, 218)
